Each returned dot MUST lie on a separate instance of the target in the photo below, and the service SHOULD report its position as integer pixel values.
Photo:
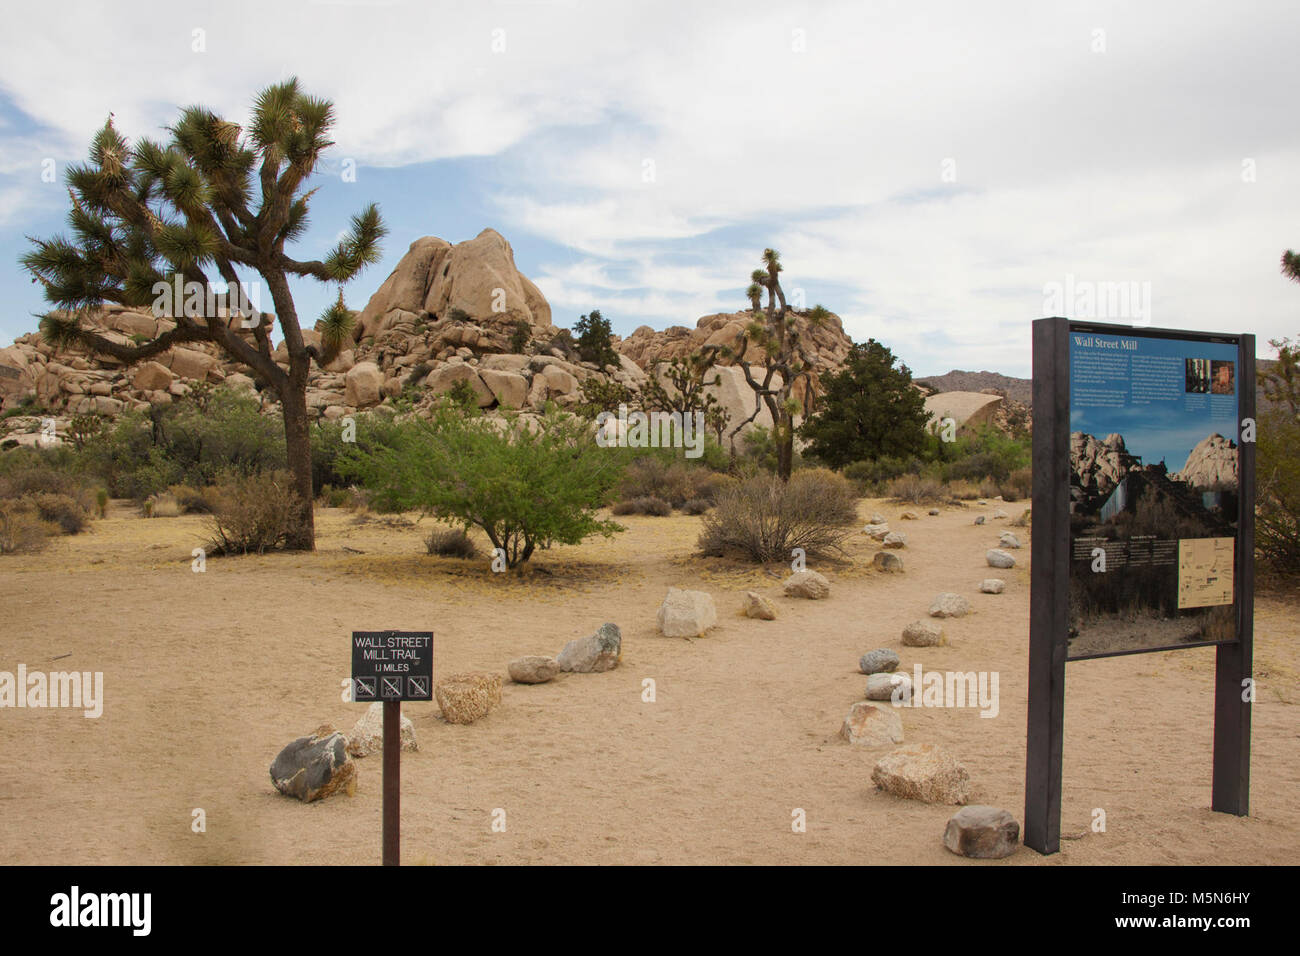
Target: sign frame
(1050, 577)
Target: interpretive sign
(1154, 464)
(1143, 528)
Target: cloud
(924, 167)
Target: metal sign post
(392, 666)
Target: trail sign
(392, 665)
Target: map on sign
(392, 665)
(1205, 571)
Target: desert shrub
(1277, 515)
(872, 476)
(989, 488)
(21, 530)
(520, 335)
(593, 333)
(868, 409)
(254, 513)
(915, 489)
(648, 505)
(697, 506)
(1019, 485)
(962, 490)
(191, 442)
(331, 497)
(527, 483)
(63, 511)
(450, 543)
(603, 395)
(456, 314)
(764, 519)
(194, 501)
(162, 504)
(37, 476)
(986, 453)
(101, 502)
(672, 479)
(418, 372)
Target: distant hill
(1017, 389)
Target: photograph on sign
(1153, 490)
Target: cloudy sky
(939, 174)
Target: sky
(939, 174)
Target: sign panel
(392, 665)
(1154, 491)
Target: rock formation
(1212, 464)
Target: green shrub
(644, 506)
(520, 336)
(451, 543)
(254, 514)
(527, 484)
(101, 502)
(764, 519)
(593, 333)
(872, 476)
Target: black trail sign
(392, 665)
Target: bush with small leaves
(696, 506)
(764, 519)
(255, 514)
(63, 511)
(21, 530)
(656, 507)
(915, 490)
(451, 543)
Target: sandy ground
(208, 675)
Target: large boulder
(442, 380)
(367, 735)
(597, 652)
(465, 698)
(150, 376)
(686, 613)
(190, 363)
(315, 766)
(480, 278)
(924, 772)
(510, 389)
(363, 385)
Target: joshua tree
(148, 217)
(689, 379)
(785, 361)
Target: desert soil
(208, 675)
